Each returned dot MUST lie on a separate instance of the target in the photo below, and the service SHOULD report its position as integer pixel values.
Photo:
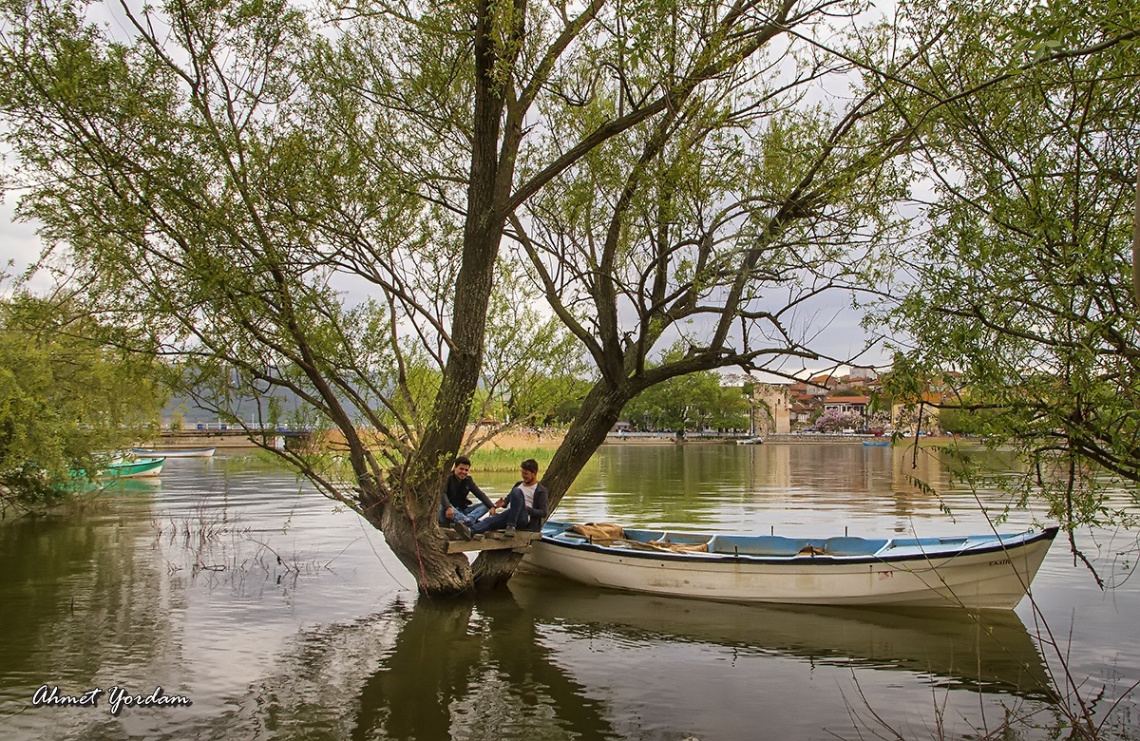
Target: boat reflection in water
(988, 651)
(135, 486)
(551, 659)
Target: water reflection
(989, 651)
(124, 593)
(424, 671)
(488, 670)
(525, 665)
(82, 609)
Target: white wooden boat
(976, 571)
(174, 452)
(750, 441)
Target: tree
(730, 411)
(834, 420)
(229, 173)
(1024, 280)
(719, 227)
(68, 393)
(691, 401)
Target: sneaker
(462, 529)
(509, 531)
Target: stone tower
(770, 409)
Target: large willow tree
(389, 209)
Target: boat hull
(133, 469)
(996, 577)
(174, 453)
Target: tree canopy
(690, 402)
(1023, 281)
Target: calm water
(234, 586)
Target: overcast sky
(18, 241)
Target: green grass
(497, 459)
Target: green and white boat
(135, 468)
(126, 469)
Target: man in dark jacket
(455, 508)
(526, 505)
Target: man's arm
(479, 493)
(445, 504)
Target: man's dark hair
(530, 464)
(461, 460)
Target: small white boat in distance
(976, 571)
(174, 452)
(750, 441)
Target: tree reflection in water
(426, 671)
(482, 671)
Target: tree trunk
(1136, 242)
(412, 534)
(408, 518)
(482, 235)
(600, 411)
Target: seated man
(454, 506)
(525, 506)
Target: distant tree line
(692, 402)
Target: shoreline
(543, 439)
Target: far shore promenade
(524, 439)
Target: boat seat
(847, 546)
(757, 545)
(572, 537)
(682, 538)
(681, 547)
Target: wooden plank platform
(492, 541)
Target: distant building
(823, 384)
(771, 409)
(801, 414)
(806, 391)
(905, 415)
(848, 404)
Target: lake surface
(233, 586)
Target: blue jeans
(466, 516)
(514, 514)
